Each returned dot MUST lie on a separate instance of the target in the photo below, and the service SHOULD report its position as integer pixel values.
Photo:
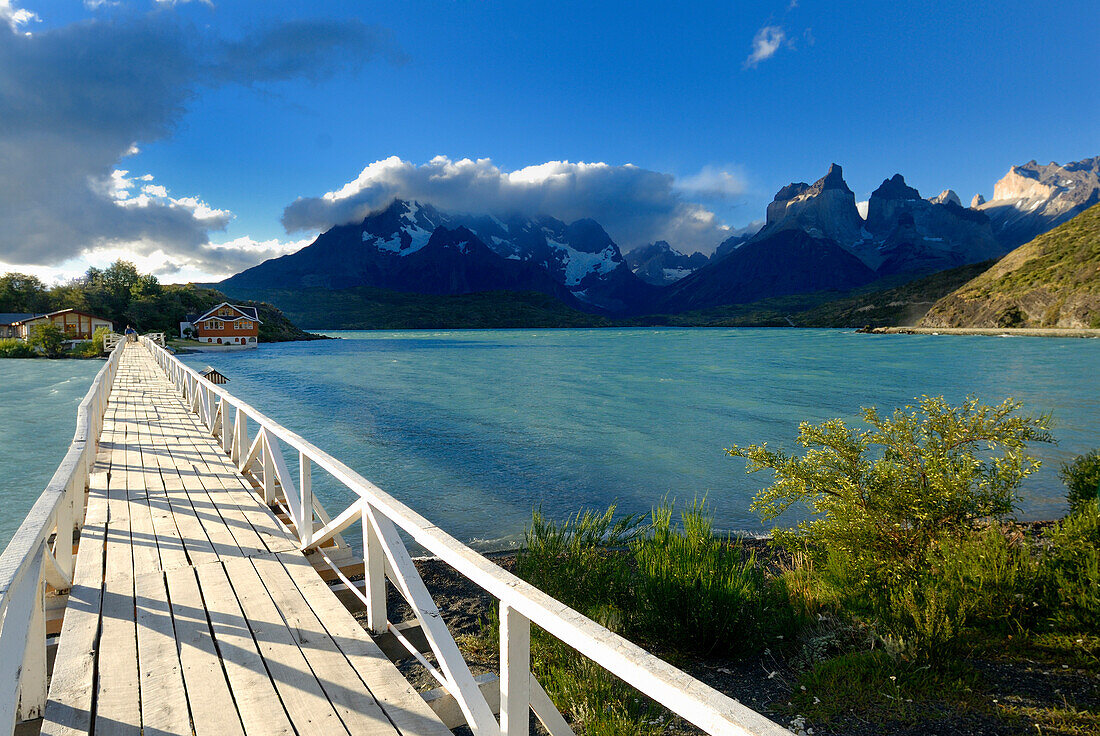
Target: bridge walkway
(192, 610)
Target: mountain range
(814, 240)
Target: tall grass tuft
(576, 561)
(702, 592)
(1070, 570)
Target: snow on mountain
(660, 264)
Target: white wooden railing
(39, 558)
(259, 456)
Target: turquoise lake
(473, 429)
(38, 402)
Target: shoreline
(1083, 332)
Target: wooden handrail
(28, 562)
(521, 602)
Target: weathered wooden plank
(398, 699)
(221, 539)
(163, 702)
(306, 703)
(193, 537)
(143, 539)
(248, 539)
(260, 517)
(169, 543)
(117, 699)
(213, 711)
(248, 676)
(69, 704)
(354, 703)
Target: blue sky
(240, 109)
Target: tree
(20, 292)
(882, 498)
(48, 338)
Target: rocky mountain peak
(978, 201)
(827, 209)
(947, 196)
(833, 179)
(1032, 198)
(895, 188)
(791, 191)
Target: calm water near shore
(475, 428)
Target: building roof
(10, 318)
(247, 312)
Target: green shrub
(990, 577)
(703, 593)
(47, 338)
(98, 338)
(885, 497)
(1082, 479)
(15, 348)
(1070, 570)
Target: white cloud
(635, 205)
(80, 109)
(764, 45)
(16, 17)
(712, 182)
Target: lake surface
(473, 429)
(38, 402)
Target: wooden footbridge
(178, 577)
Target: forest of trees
(125, 296)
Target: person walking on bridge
(131, 334)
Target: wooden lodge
(76, 325)
(225, 324)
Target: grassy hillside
(365, 308)
(1053, 281)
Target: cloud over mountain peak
(636, 205)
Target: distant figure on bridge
(131, 334)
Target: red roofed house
(226, 324)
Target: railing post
(269, 468)
(240, 437)
(227, 437)
(305, 498)
(374, 573)
(515, 672)
(63, 539)
(32, 675)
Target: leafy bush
(47, 338)
(98, 338)
(1082, 479)
(701, 592)
(1070, 569)
(15, 348)
(884, 497)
